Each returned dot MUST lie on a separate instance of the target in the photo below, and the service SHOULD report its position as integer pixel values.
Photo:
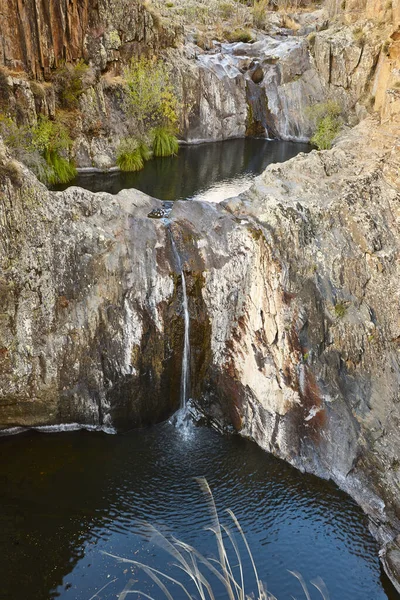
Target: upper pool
(211, 172)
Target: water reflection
(213, 171)
(66, 497)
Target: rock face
(76, 344)
(36, 37)
(294, 305)
(264, 88)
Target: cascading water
(258, 104)
(185, 377)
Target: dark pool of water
(212, 171)
(64, 498)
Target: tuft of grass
(386, 47)
(43, 148)
(239, 35)
(260, 13)
(340, 310)
(60, 169)
(226, 10)
(130, 155)
(70, 83)
(165, 143)
(327, 130)
(198, 568)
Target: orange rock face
(36, 35)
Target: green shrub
(132, 154)
(359, 36)
(4, 90)
(328, 128)
(41, 148)
(70, 83)
(327, 122)
(239, 35)
(151, 100)
(165, 143)
(340, 310)
(386, 47)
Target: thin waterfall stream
(185, 377)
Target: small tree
(327, 120)
(152, 104)
(151, 101)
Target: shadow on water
(64, 498)
(211, 171)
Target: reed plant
(132, 154)
(198, 568)
(164, 141)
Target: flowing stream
(185, 378)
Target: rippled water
(64, 498)
(211, 172)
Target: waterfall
(258, 103)
(185, 377)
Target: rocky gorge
(292, 286)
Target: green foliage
(151, 99)
(226, 9)
(327, 122)
(4, 90)
(328, 128)
(386, 47)
(132, 154)
(50, 136)
(70, 83)
(340, 310)
(41, 148)
(239, 35)
(60, 169)
(165, 142)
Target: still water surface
(211, 172)
(66, 497)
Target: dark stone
(258, 75)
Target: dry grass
(112, 81)
(205, 15)
(227, 569)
